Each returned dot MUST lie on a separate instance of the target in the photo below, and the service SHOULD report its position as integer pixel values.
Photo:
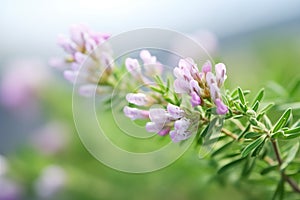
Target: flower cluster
(81, 44)
(201, 85)
(151, 67)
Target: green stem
(285, 177)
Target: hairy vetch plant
(237, 130)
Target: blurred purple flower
(52, 180)
(82, 43)
(51, 139)
(10, 190)
(21, 82)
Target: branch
(288, 179)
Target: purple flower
(194, 86)
(138, 99)
(164, 131)
(134, 113)
(221, 107)
(133, 67)
(81, 42)
(181, 130)
(195, 100)
(220, 73)
(151, 65)
(181, 86)
(175, 111)
(206, 67)
(159, 117)
(213, 87)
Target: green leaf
(267, 122)
(222, 148)
(248, 167)
(294, 130)
(258, 149)
(291, 136)
(279, 192)
(282, 120)
(156, 89)
(255, 106)
(244, 132)
(259, 96)
(290, 157)
(252, 135)
(253, 145)
(241, 96)
(266, 108)
(268, 169)
(230, 165)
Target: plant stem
(229, 133)
(285, 177)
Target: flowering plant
(234, 129)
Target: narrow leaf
(248, 167)
(252, 135)
(291, 131)
(291, 136)
(259, 96)
(282, 120)
(268, 169)
(255, 106)
(241, 96)
(258, 149)
(266, 108)
(252, 146)
(290, 157)
(230, 165)
(279, 192)
(222, 148)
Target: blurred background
(41, 155)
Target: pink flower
(151, 65)
(82, 42)
(221, 107)
(195, 100)
(220, 73)
(159, 115)
(138, 99)
(206, 67)
(181, 131)
(181, 86)
(175, 111)
(133, 67)
(134, 113)
(164, 131)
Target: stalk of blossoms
(81, 43)
(201, 85)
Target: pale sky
(34, 24)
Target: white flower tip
(70, 75)
(145, 54)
